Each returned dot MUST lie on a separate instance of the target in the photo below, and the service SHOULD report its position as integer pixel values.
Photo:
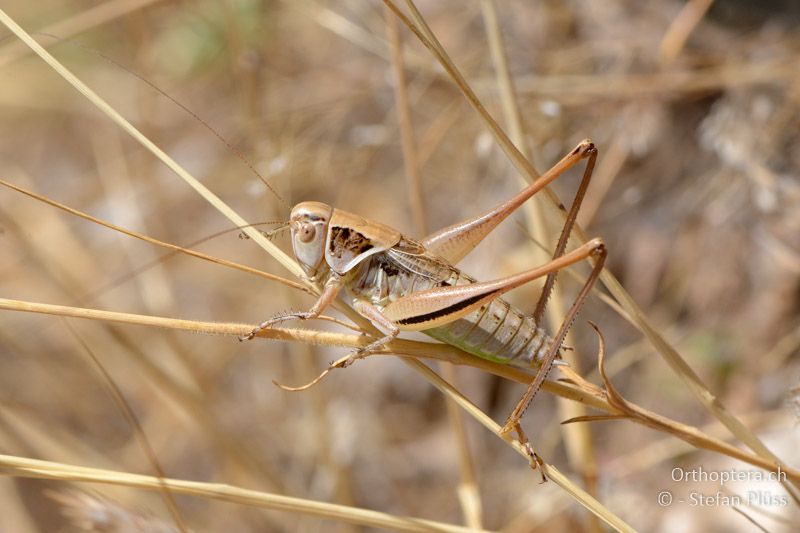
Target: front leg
(326, 298)
(374, 315)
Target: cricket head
(309, 225)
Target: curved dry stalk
(691, 379)
(34, 468)
(580, 391)
(628, 410)
(441, 352)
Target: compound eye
(306, 232)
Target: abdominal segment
(497, 332)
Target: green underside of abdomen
(447, 335)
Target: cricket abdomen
(497, 331)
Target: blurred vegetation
(697, 193)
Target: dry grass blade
(33, 468)
(408, 142)
(427, 37)
(508, 94)
(680, 29)
(581, 496)
(130, 416)
(173, 247)
(614, 86)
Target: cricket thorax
(496, 331)
(347, 241)
(392, 274)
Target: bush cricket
(401, 284)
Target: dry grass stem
(585, 393)
(33, 468)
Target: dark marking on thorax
(346, 239)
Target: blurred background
(696, 193)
